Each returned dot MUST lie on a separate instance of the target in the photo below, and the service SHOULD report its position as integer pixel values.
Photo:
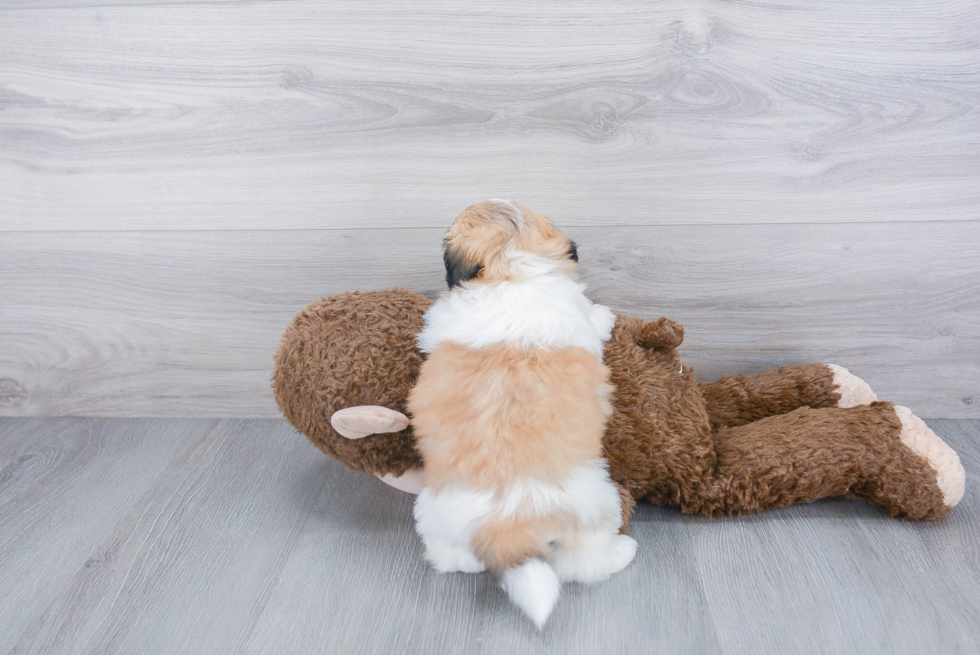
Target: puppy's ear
(573, 251)
(458, 271)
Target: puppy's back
(494, 415)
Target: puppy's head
(497, 240)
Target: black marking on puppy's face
(457, 271)
(573, 251)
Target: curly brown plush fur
(738, 444)
(348, 350)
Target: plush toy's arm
(739, 399)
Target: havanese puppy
(510, 408)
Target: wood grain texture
(198, 536)
(365, 536)
(185, 323)
(178, 178)
(877, 585)
(190, 563)
(272, 115)
(64, 484)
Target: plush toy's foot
(920, 439)
(909, 470)
(853, 390)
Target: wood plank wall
(794, 181)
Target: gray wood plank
(353, 114)
(189, 568)
(70, 484)
(86, 4)
(839, 576)
(360, 535)
(19, 435)
(381, 597)
(165, 536)
(185, 323)
(835, 576)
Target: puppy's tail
(534, 587)
(516, 549)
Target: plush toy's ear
(361, 421)
(662, 333)
(458, 271)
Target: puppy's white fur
(448, 518)
(534, 587)
(542, 308)
(546, 310)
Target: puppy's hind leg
(590, 548)
(450, 558)
(445, 522)
(593, 554)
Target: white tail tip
(534, 587)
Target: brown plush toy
(739, 444)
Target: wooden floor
(214, 536)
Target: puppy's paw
(621, 552)
(594, 557)
(853, 390)
(452, 559)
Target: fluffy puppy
(510, 408)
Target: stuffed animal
(742, 443)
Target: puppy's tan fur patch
(502, 544)
(491, 416)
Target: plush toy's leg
(740, 399)
(878, 452)
(925, 443)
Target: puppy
(510, 408)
